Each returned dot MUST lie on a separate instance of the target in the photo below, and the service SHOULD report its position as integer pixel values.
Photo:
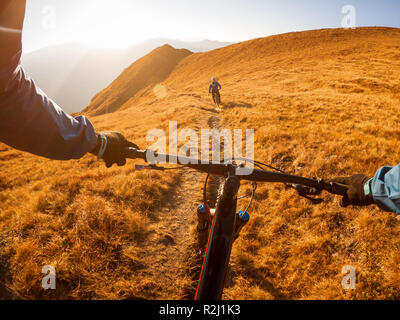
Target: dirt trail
(171, 253)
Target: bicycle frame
(216, 97)
(216, 259)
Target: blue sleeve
(29, 120)
(385, 188)
(209, 88)
(219, 86)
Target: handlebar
(304, 186)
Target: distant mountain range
(71, 74)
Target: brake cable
(155, 167)
(259, 164)
(254, 184)
(205, 199)
(302, 191)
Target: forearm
(31, 122)
(385, 188)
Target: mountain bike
(216, 98)
(226, 223)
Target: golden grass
(323, 103)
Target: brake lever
(313, 200)
(306, 192)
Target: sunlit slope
(149, 70)
(322, 103)
(268, 60)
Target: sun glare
(121, 23)
(110, 24)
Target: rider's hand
(355, 193)
(115, 145)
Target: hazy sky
(120, 23)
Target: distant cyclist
(214, 90)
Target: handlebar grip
(132, 153)
(336, 188)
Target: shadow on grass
(5, 277)
(240, 104)
(257, 275)
(203, 108)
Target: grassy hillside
(323, 103)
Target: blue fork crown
(244, 216)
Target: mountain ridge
(148, 70)
(71, 74)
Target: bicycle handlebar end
(133, 153)
(334, 188)
(337, 188)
